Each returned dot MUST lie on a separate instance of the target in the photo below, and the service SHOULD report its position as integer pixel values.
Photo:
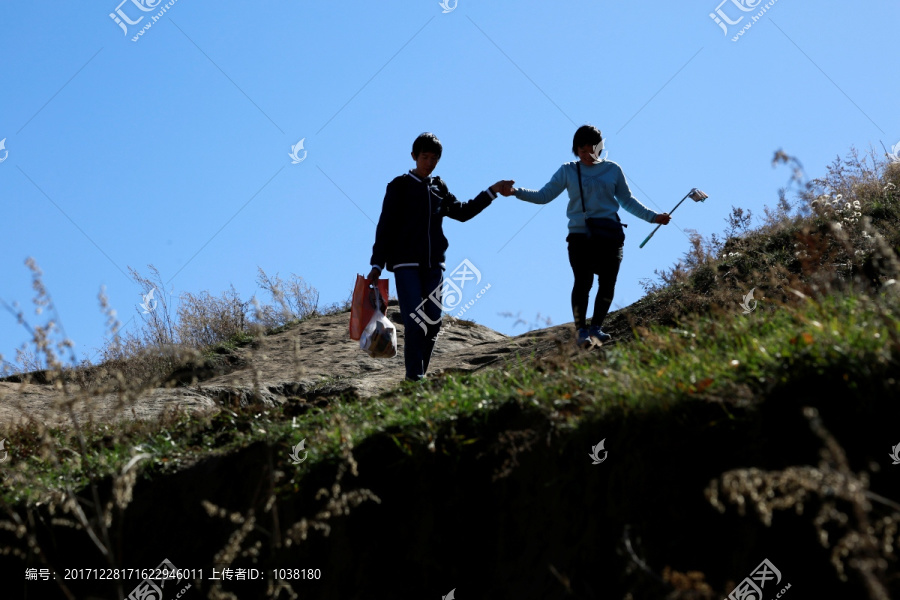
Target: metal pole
(660, 225)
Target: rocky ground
(312, 362)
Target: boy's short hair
(587, 135)
(427, 142)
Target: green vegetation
(731, 359)
(825, 271)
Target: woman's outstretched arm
(551, 189)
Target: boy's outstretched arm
(463, 211)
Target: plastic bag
(379, 338)
(363, 304)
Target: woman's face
(586, 154)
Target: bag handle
(376, 297)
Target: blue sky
(173, 150)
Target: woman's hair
(427, 142)
(587, 135)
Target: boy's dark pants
(590, 256)
(421, 322)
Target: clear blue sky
(173, 150)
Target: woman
(596, 190)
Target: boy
(410, 241)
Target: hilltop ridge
(310, 363)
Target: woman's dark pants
(589, 257)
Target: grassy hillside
(733, 436)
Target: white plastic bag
(379, 338)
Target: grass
(825, 272)
(730, 359)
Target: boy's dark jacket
(410, 230)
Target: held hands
(663, 219)
(372, 277)
(503, 187)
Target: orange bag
(363, 304)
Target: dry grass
(131, 364)
(841, 236)
(866, 535)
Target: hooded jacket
(605, 189)
(410, 231)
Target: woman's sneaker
(583, 338)
(598, 334)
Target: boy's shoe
(597, 333)
(583, 338)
